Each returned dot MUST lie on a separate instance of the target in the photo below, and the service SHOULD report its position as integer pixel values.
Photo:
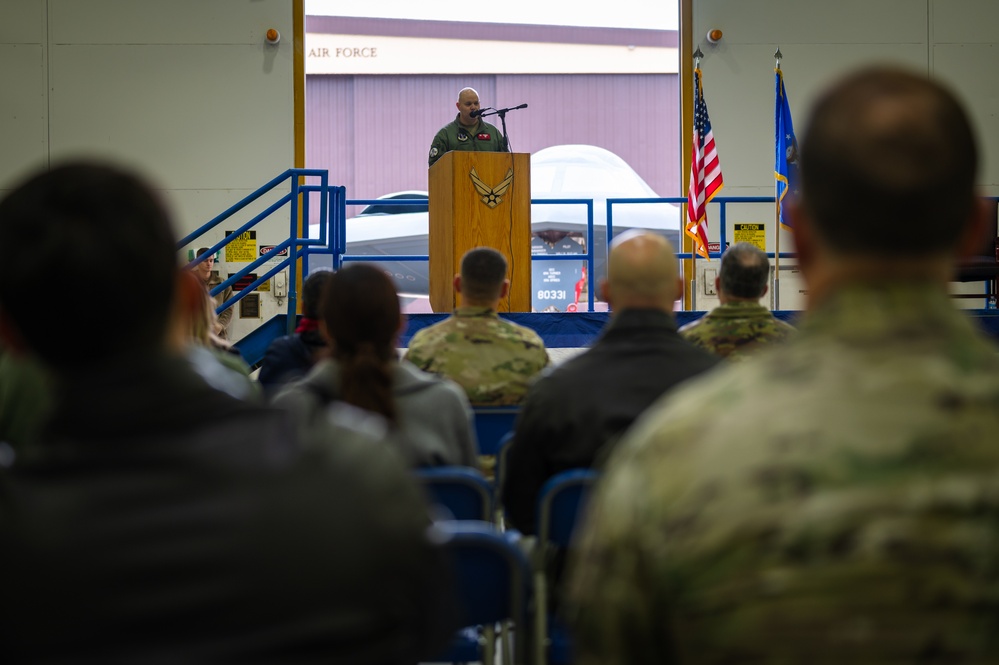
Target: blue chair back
(560, 504)
(491, 424)
(501, 467)
(462, 492)
(493, 583)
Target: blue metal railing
(340, 223)
(588, 255)
(292, 244)
(332, 240)
(722, 201)
(338, 248)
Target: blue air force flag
(786, 150)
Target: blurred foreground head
(65, 233)
(888, 166)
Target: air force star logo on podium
(492, 196)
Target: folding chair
(459, 492)
(491, 424)
(561, 502)
(501, 469)
(493, 582)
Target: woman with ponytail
(429, 418)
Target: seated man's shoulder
(437, 334)
(777, 330)
(782, 326)
(730, 335)
(522, 333)
(693, 330)
(408, 378)
(474, 332)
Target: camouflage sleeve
(691, 333)
(417, 353)
(438, 147)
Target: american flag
(705, 172)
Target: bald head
(642, 272)
(468, 103)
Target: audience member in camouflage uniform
(835, 502)
(492, 359)
(740, 324)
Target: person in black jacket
(291, 357)
(577, 411)
(160, 520)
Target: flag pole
(687, 42)
(776, 293)
(698, 54)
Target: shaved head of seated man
(577, 411)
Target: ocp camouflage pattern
(492, 359)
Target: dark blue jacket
(289, 358)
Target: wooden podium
(480, 199)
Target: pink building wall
(373, 133)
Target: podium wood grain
(459, 221)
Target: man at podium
(467, 131)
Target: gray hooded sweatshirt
(435, 419)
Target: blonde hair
(199, 308)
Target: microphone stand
(502, 115)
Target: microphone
(477, 112)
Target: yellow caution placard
(242, 249)
(755, 234)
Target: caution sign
(243, 249)
(755, 234)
